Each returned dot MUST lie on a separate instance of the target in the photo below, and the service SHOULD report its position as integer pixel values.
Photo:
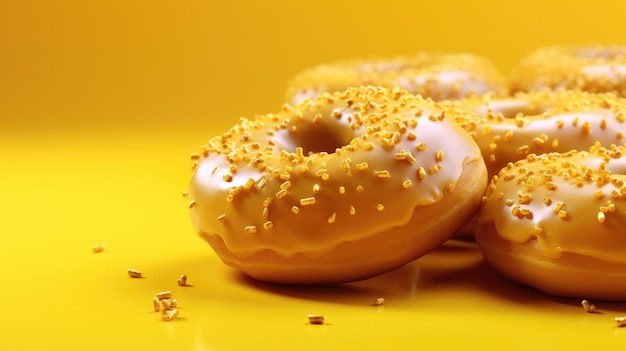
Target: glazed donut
(438, 76)
(596, 69)
(556, 222)
(338, 189)
(509, 128)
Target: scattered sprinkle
(589, 308)
(316, 318)
(133, 273)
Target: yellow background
(102, 101)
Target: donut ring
(438, 76)
(509, 128)
(337, 189)
(555, 222)
(596, 69)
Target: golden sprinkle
(421, 147)
(182, 280)
(362, 166)
(98, 248)
(228, 177)
(352, 210)
(260, 183)
(598, 195)
(380, 207)
(434, 169)
(170, 315)
(421, 173)
(342, 190)
(307, 201)
(268, 225)
(508, 135)
(281, 194)
(325, 176)
(266, 212)
(439, 156)
(379, 301)
(221, 218)
(558, 207)
(185, 194)
(601, 217)
(523, 150)
(133, 273)
(407, 184)
(562, 214)
(551, 186)
(368, 146)
(359, 188)
(295, 209)
(332, 218)
(191, 204)
(524, 199)
(164, 295)
(156, 304)
(382, 174)
(620, 321)
(586, 128)
(589, 308)
(249, 184)
(411, 136)
(250, 229)
(509, 202)
(316, 188)
(316, 318)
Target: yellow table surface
(101, 103)
(63, 193)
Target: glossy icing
(573, 202)
(370, 157)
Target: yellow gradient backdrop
(153, 61)
(101, 103)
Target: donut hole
(320, 137)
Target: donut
(337, 189)
(435, 75)
(508, 128)
(556, 222)
(596, 69)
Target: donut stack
(372, 163)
